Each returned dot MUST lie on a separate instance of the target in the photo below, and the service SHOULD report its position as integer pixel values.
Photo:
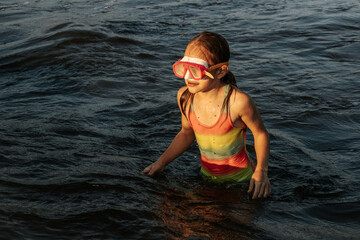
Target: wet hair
(219, 51)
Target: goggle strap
(218, 65)
(209, 74)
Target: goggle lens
(195, 72)
(180, 70)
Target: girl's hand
(153, 168)
(261, 182)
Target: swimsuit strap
(225, 94)
(226, 91)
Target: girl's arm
(180, 144)
(249, 115)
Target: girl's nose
(188, 75)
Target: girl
(216, 113)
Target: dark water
(88, 99)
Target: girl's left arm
(250, 116)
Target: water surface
(88, 99)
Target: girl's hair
(219, 51)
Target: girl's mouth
(192, 84)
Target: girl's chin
(193, 88)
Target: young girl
(216, 113)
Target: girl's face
(200, 55)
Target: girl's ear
(223, 71)
(224, 68)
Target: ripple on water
(88, 99)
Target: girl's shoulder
(240, 100)
(238, 96)
(183, 98)
(181, 92)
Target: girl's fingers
(262, 190)
(267, 190)
(152, 171)
(251, 186)
(256, 191)
(147, 170)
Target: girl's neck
(212, 93)
(207, 105)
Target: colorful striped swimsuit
(223, 149)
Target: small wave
(59, 27)
(343, 212)
(322, 189)
(146, 56)
(57, 47)
(72, 131)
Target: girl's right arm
(180, 144)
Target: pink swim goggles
(196, 70)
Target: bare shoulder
(183, 104)
(240, 100)
(180, 92)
